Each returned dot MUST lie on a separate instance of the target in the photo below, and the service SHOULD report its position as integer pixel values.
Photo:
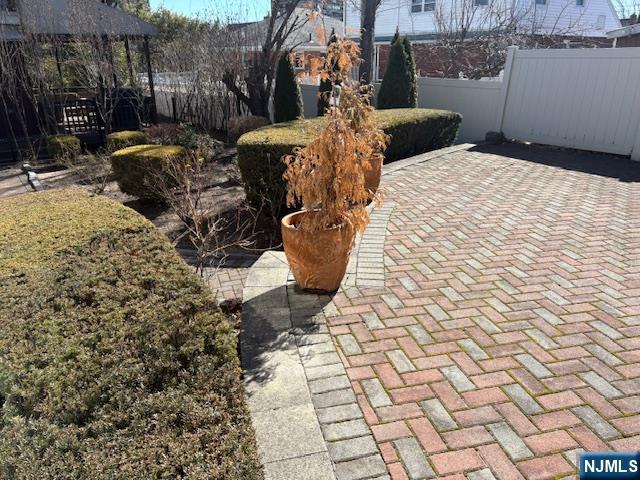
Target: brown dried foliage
(328, 175)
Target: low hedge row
(124, 139)
(134, 167)
(63, 147)
(413, 131)
(114, 360)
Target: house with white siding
(425, 21)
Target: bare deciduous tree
(367, 38)
(252, 84)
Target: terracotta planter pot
(318, 260)
(372, 176)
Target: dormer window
(419, 6)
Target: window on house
(418, 6)
(601, 21)
(580, 3)
(541, 2)
(481, 2)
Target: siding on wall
(557, 16)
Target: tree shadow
(275, 323)
(593, 163)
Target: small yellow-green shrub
(63, 147)
(124, 139)
(413, 131)
(139, 167)
(115, 361)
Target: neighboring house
(310, 37)
(330, 8)
(427, 21)
(628, 36)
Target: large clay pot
(318, 260)
(373, 174)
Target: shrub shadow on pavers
(602, 164)
(307, 419)
(290, 440)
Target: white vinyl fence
(477, 101)
(587, 99)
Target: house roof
(307, 37)
(625, 31)
(80, 18)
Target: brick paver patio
(506, 337)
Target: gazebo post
(56, 51)
(127, 51)
(108, 49)
(152, 90)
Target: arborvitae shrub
(325, 85)
(395, 91)
(287, 99)
(411, 62)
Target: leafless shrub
(183, 186)
(164, 133)
(92, 170)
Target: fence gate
(587, 99)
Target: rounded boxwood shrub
(413, 131)
(63, 147)
(238, 126)
(124, 139)
(115, 361)
(135, 167)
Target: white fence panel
(477, 100)
(309, 95)
(587, 99)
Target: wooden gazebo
(55, 23)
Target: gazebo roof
(80, 18)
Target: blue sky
(247, 9)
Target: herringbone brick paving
(507, 336)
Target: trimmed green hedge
(115, 361)
(134, 167)
(124, 139)
(413, 131)
(63, 147)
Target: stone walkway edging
(308, 423)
